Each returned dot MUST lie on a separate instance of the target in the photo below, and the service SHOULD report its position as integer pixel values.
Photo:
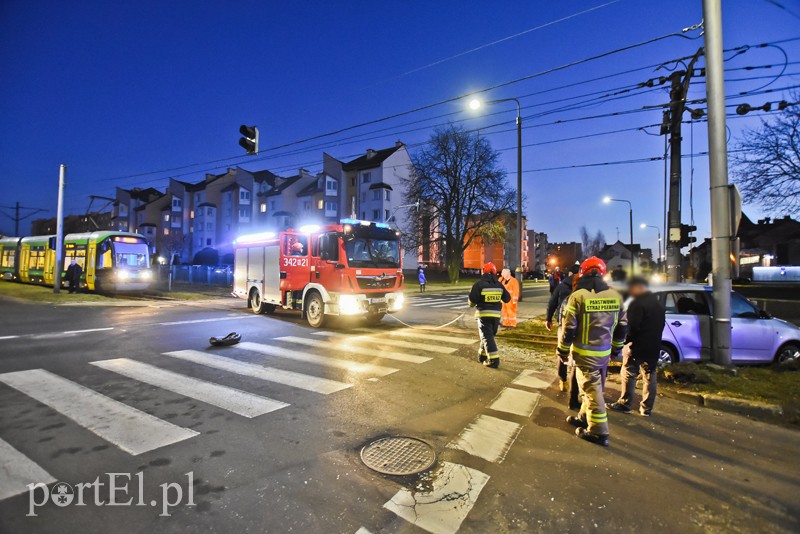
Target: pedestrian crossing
(343, 359)
(447, 301)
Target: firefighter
(488, 295)
(594, 330)
(509, 319)
(297, 249)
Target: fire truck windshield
(373, 252)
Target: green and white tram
(111, 261)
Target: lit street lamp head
(643, 225)
(606, 200)
(474, 104)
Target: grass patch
(530, 334)
(766, 384)
(43, 294)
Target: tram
(111, 261)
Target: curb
(751, 408)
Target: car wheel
(256, 304)
(666, 356)
(788, 353)
(315, 310)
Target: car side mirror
(763, 314)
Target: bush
(207, 256)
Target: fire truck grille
(376, 282)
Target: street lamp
(609, 200)
(476, 104)
(643, 225)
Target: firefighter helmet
(489, 268)
(297, 247)
(593, 264)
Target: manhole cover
(398, 456)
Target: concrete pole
(62, 176)
(718, 170)
(519, 274)
(674, 258)
(630, 221)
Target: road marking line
(269, 374)
(466, 340)
(132, 430)
(193, 321)
(348, 347)
(362, 530)
(88, 330)
(17, 471)
(487, 437)
(8, 337)
(441, 510)
(447, 304)
(461, 307)
(289, 354)
(231, 399)
(515, 401)
(529, 380)
(392, 342)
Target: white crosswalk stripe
(515, 401)
(231, 399)
(132, 430)
(383, 340)
(348, 347)
(292, 354)
(17, 471)
(487, 437)
(467, 339)
(269, 374)
(453, 302)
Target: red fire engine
(350, 269)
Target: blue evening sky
(120, 88)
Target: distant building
(481, 251)
(74, 224)
(537, 251)
(619, 255)
(563, 255)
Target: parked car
(756, 336)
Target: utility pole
(17, 217)
(680, 86)
(62, 176)
(721, 227)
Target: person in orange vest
(509, 318)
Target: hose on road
(420, 328)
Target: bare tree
(766, 166)
(592, 245)
(457, 180)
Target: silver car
(757, 337)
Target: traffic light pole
(62, 176)
(721, 229)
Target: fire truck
(349, 269)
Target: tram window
(130, 254)
(36, 259)
(8, 258)
(104, 260)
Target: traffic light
(687, 239)
(250, 140)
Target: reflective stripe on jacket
(488, 295)
(594, 323)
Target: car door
(688, 320)
(752, 336)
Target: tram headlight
(123, 275)
(147, 275)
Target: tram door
(90, 269)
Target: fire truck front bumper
(349, 304)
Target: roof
(279, 188)
(265, 176)
(310, 189)
(366, 162)
(206, 204)
(231, 187)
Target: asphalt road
(135, 389)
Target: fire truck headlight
(397, 303)
(349, 305)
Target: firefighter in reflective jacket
(488, 295)
(594, 330)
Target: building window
(166, 231)
(176, 204)
(307, 205)
(208, 227)
(123, 210)
(263, 207)
(363, 196)
(244, 195)
(353, 181)
(244, 213)
(375, 215)
(320, 204)
(366, 177)
(331, 185)
(364, 215)
(166, 217)
(209, 212)
(387, 195)
(208, 242)
(272, 205)
(191, 214)
(376, 194)
(386, 215)
(331, 205)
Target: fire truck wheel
(374, 318)
(315, 310)
(258, 305)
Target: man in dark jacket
(74, 272)
(642, 346)
(555, 307)
(488, 295)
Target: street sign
(736, 209)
